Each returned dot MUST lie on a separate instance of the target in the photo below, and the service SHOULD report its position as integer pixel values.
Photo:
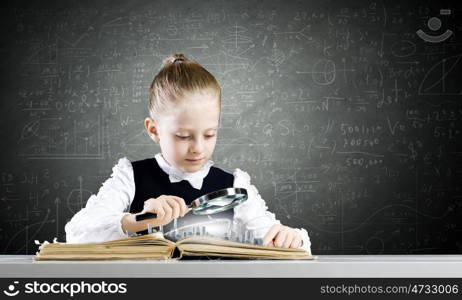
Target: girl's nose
(197, 145)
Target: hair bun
(177, 77)
(173, 58)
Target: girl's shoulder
(123, 168)
(237, 175)
(241, 177)
(123, 163)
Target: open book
(155, 246)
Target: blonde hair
(177, 77)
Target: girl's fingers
(269, 236)
(297, 242)
(290, 237)
(168, 211)
(175, 207)
(183, 206)
(159, 211)
(280, 238)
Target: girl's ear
(152, 129)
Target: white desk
(327, 266)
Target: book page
(208, 246)
(204, 240)
(149, 246)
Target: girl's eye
(187, 137)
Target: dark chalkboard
(347, 119)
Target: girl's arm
(254, 213)
(100, 219)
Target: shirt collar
(175, 175)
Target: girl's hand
(282, 236)
(166, 207)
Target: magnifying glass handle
(150, 215)
(145, 216)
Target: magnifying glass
(210, 203)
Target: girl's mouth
(194, 160)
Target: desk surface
(327, 266)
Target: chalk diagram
(224, 63)
(443, 77)
(236, 38)
(276, 58)
(324, 71)
(75, 199)
(51, 54)
(47, 138)
(374, 245)
(24, 234)
(302, 34)
(295, 192)
(138, 143)
(44, 55)
(403, 48)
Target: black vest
(151, 182)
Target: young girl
(184, 115)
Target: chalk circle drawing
(30, 129)
(276, 58)
(324, 72)
(403, 48)
(374, 245)
(75, 199)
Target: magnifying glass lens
(211, 203)
(211, 209)
(219, 204)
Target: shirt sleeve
(253, 214)
(100, 219)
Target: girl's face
(187, 133)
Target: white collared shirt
(176, 175)
(100, 219)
